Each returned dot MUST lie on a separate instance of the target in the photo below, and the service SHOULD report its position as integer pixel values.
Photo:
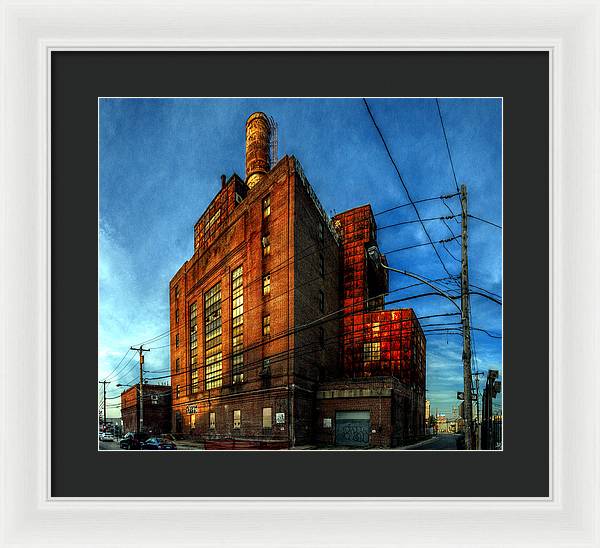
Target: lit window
(237, 418)
(375, 327)
(237, 331)
(194, 346)
(212, 420)
(178, 391)
(321, 232)
(372, 351)
(321, 265)
(321, 301)
(266, 364)
(177, 365)
(212, 336)
(266, 325)
(176, 291)
(212, 222)
(176, 340)
(267, 284)
(267, 422)
(177, 315)
(266, 206)
(266, 245)
(192, 421)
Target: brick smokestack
(258, 148)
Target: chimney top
(223, 181)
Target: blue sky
(160, 166)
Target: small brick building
(157, 409)
(277, 306)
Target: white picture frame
(568, 30)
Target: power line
(443, 197)
(447, 146)
(417, 245)
(484, 221)
(404, 186)
(419, 220)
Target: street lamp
(375, 255)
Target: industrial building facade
(278, 330)
(156, 413)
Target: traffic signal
(496, 388)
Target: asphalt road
(114, 446)
(442, 442)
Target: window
(177, 365)
(177, 315)
(321, 265)
(212, 420)
(266, 206)
(194, 347)
(372, 351)
(212, 222)
(212, 336)
(237, 418)
(321, 337)
(237, 316)
(375, 327)
(193, 421)
(266, 364)
(266, 245)
(321, 300)
(177, 291)
(267, 421)
(267, 284)
(178, 391)
(321, 232)
(176, 340)
(266, 325)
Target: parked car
(106, 436)
(159, 443)
(133, 440)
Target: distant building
(156, 409)
(278, 329)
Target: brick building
(157, 409)
(278, 317)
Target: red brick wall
(239, 242)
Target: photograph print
(300, 274)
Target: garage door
(352, 428)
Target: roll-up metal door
(352, 428)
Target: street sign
(460, 395)
(191, 409)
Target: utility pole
(141, 351)
(464, 300)
(104, 383)
(477, 374)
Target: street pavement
(114, 446)
(439, 442)
(443, 442)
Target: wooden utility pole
(141, 351)
(104, 383)
(466, 326)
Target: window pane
(212, 337)
(266, 417)
(237, 331)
